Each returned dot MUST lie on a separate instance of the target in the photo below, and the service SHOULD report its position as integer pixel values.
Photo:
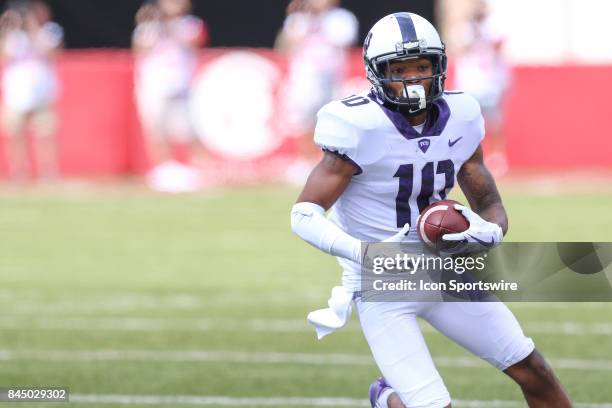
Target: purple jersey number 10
(405, 173)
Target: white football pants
(487, 329)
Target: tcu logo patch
(424, 145)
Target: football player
(29, 43)
(482, 70)
(316, 37)
(165, 42)
(389, 153)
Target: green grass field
(136, 299)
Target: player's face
(412, 70)
(175, 8)
(319, 6)
(40, 11)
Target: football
(438, 219)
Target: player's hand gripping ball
(438, 219)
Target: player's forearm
(495, 213)
(308, 221)
(480, 189)
(489, 206)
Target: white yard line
(219, 400)
(570, 328)
(278, 401)
(153, 324)
(257, 325)
(242, 357)
(187, 356)
(34, 301)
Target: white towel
(327, 321)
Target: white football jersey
(29, 80)
(168, 66)
(400, 171)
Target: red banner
(556, 117)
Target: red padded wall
(560, 117)
(557, 117)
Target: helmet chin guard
(398, 37)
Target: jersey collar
(434, 125)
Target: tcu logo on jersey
(424, 145)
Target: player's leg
(490, 331)
(44, 125)
(14, 124)
(151, 107)
(179, 133)
(397, 344)
(302, 98)
(538, 382)
(495, 158)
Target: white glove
(399, 237)
(483, 233)
(308, 221)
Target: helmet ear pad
(440, 66)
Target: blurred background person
(29, 41)
(165, 42)
(315, 36)
(482, 71)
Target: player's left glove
(481, 234)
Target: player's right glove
(400, 235)
(481, 234)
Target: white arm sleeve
(308, 221)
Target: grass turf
(82, 271)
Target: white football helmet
(401, 36)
